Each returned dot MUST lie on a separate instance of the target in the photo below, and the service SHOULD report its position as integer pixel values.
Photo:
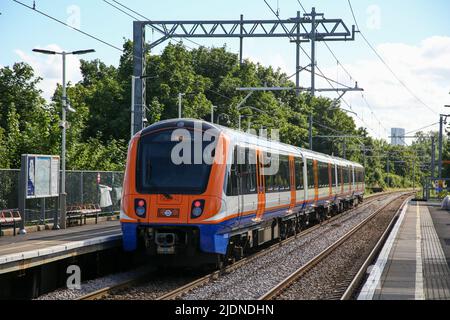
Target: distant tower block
(398, 137)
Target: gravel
(330, 277)
(152, 289)
(94, 285)
(257, 277)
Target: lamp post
(63, 125)
(180, 95)
(212, 113)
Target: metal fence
(82, 187)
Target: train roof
(244, 137)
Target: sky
(412, 36)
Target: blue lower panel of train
(206, 237)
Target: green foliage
(99, 130)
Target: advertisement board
(42, 176)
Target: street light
(62, 193)
(212, 113)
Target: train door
(239, 164)
(260, 185)
(292, 182)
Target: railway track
(348, 283)
(179, 291)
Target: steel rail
(216, 274)
(293, 277)
(354, 285)
(98, 294)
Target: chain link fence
(103, 188)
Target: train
(199, 190)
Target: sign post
(39, 179)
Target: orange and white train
(221, 208)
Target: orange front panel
(181, 204)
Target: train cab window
(310, 173)
(298, 163)
(157, 172)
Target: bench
(82, 212)
(10, 218)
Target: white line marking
(373, 281)
(419, 294)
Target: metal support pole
(43, 210)
(345, 149)
(297, 58)
(310, 131)
(62, 194)
(22, 193)
(133, 78)
(81, 188)
(179, 104)
(414, 174)
(212, 113)
(313, 50)
(433, 156)
(364, 156)
(138, 72)
(388, 179)
(241, 39)
(441, 123)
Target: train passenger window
(345, 172)
(310, 173)
(333, 175)
(349, 172)
(248, 172)
(232, 177)
(269, 179)
(298, 163)
(323, 174)
(283, 180)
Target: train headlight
(140, 207)
(197, 208)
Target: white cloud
(424, 68)
(49, 67)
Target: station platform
(38, 248)
(414, 263)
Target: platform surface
(50, 245)
(414, 262)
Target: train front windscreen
(172, 164)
